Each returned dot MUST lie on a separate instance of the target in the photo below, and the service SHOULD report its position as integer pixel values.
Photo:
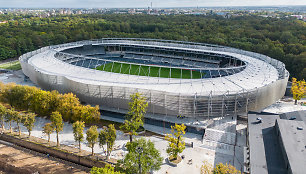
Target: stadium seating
(94, 56)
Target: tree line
(44, 103)
(283, 39)
(9, 115)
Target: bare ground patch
(13, 160)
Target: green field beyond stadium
(152, 71)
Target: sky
(141, 3)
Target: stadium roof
(257, 73)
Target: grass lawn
(11, 65)
(152, 71)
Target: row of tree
(151, 159)
(10, 115)
(28, 121)
(282, 39)
(107, 135)
(148, 157)
(43, 103)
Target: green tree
(71, 109)
(176, 140)
(13, 95)
(78, 129)
(17, 117)
(3, 112)
(22, 33)
(28, 121)
(45, 102)
(87, 113)
(102, 138)
(57, 123)
(134, 118)
(92, 137)
(149, 157)
(225, 169)
(42, 102)
(108, 136)
(67, 104)
(9, 118)
(110, 139)
(108, 169)
(48, 129)
(287, 37)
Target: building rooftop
(294, 142)
(296, 115)
(265, 156)
(276, 144)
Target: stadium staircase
(220, 136)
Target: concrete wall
(81, 160)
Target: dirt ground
(13, 160)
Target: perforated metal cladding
(115, 95)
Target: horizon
(147, 3)
(260, 6)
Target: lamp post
(139, 150)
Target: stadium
(194, 80)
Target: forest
(283, 39)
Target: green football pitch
(152, 71)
